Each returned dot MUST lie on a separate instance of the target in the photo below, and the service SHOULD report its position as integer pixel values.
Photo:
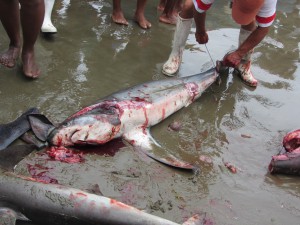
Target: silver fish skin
(130, 114)
(56, 204)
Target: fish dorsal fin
(41, 126)
(94, 189)
(142, 140)
(12, 155)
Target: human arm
(260, 28)
(201, 34)
(234, 58)
(199, 12)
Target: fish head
(86, 130)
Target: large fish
(128, 114)
(25, 198)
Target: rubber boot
(183, 27)
(47, 26)
(243, 69)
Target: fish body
(27, 199)
(130, 111)
(130, 114)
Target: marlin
(28, 199)
(128, 114)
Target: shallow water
(90, 57)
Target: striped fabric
(202, 5)
(264, 18)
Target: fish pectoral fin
(12, 155)
(168, 159)
(142, 140)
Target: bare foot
(168, 20)
(30, 68)
(9, 58)
(142, 22)
(161, 5)
(119, 18)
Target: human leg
(117, 15)
(9, 16)
(161, 5)
(187, 9)
(178, 6)
(168, 15)
(139, 14)
(183, 26)
(48, 26)
(243, 68)
(32, 16)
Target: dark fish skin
(12, 155)
(11, 131)
(31, 139)
(288, 163)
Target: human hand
(232, 59)
(201, 37)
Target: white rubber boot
(47, 26)
(243, 68)
(183, 27)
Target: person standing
(255, 18)
(30, 18)
(139, 16)
(48, 27)
(170, 9)
(183, 27)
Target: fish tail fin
(11, 156)
(13, 130)
(41, 126)
(30, 138)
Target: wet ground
(90, 57)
